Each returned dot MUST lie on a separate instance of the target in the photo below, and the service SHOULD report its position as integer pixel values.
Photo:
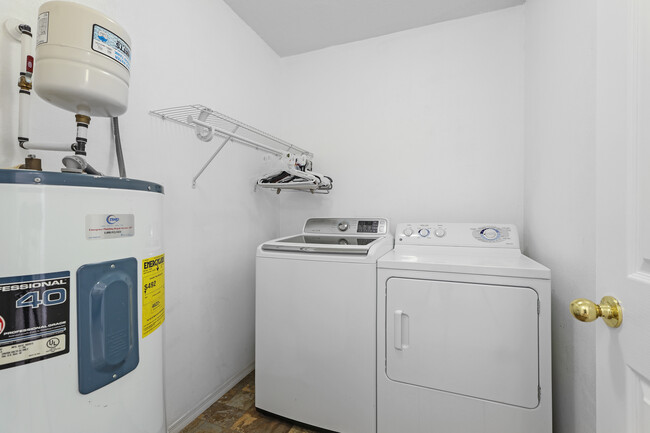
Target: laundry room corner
(214, 227)
(560, 194)
(199, 54)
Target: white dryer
(463, 332)
(315, 337)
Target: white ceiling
(297, 26)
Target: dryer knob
(343, 226)
(490, 233)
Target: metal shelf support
(211, 158)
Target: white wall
(560, 204)
(183, 53)
(426, 124)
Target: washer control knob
(408, 232)
(424, 232)
(343, 226)
(490, 234)
(440, 232)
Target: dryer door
(471, 339)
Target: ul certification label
(110, 226)
(34, 318)
(153, 294)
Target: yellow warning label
(153, 294)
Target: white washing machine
(463, 332)
(315, 337)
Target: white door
(623, 212)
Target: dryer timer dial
(490, 233)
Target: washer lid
(331, 244)
(479, 261)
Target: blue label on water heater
(109, 44)
(34, 318)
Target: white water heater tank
(82, 304)
(82, 60)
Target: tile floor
(235, 413)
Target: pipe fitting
(24, 83)
(25, 29)
(32, 163)
(82, 118)
(82, 133)
(79, 147)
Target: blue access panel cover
(107, 322)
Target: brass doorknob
(609, 309)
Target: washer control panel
(349, 226)
(457, 235)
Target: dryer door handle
(401, 330)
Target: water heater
(81, 304)
(82, 60)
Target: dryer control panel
(457, 235)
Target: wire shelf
(203, 119)
(208, 123)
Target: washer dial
(424, 232)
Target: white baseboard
(192, 414)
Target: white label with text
(110, 226)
